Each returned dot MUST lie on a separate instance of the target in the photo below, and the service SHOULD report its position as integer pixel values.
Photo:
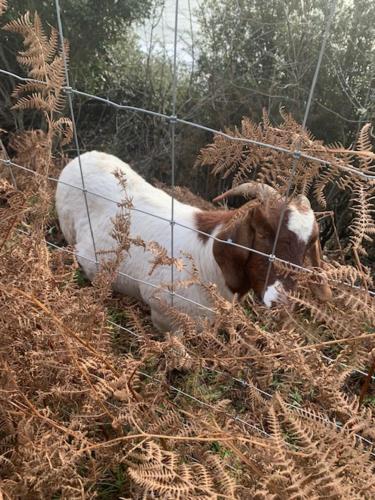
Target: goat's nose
(274, 294)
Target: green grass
(220, 450)
(296, 397)
(205, 385)
(113, 486)
(80, 278)
(291, 439)
(118, 316)
(369, 401)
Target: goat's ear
(321, 291)
(231, 259)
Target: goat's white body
(98, 169)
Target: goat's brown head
(256, 228)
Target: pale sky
(163, 32)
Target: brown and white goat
(234, 270)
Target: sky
(160, 30)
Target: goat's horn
(251, 190)
(301, 201)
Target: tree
(256, 54)
(91, 28)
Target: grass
(80, 278)
(220, 450)
(369, 401)
(296, 397)
(113, 485)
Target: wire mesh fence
(172, 120)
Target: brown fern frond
(35, 40)
(338, 273)
(179, 320)
(43, 62)
(359, 301)
(56, 70)
(363, 139)
(33, 101)
(273, 167)
(226, 483)
(53, 44)
(12, 210)
(325, 317)
(327, 480)
(169, 420)
(161, 473)
(29, 87)
(363, 224)
(3, 6)
(161, 257)
(322, 180)
(363, 145)
(285, 477)
(64, 127)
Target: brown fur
(207, 222)
(244, 270)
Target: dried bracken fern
(96, 404)
(3, 6)
(12, 209)
(308, 442)
(363, 224)
(44, 62)
(161, 473)
(335, 165)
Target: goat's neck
(231, 261)
(212, 223)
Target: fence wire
(297, 153)
(7, 162)
(71, 252)
(74, 126)
(173, 120)
(302, 411)
(167, 118)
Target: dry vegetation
(95, 404)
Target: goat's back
(97, 169)
(103, 193)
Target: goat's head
(256, 227)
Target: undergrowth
(95, 404)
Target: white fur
(301, 223)
(273, 294)
(97, 171)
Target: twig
(366, 383)
(146, 435)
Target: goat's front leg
(160, 321)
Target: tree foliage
(90, 26)
(263, 54)
(249, 56)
